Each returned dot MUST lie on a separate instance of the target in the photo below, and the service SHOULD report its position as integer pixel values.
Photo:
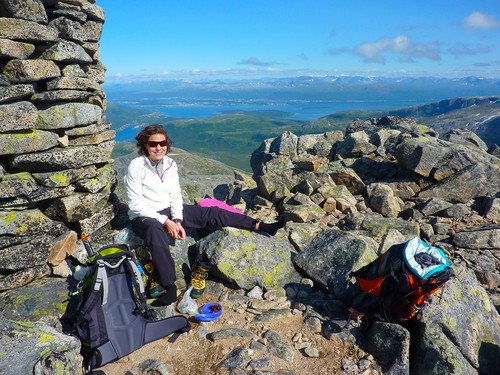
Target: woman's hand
(175, 230)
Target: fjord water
(294, 110)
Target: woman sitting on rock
(157, 211)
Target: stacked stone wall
(56, 172)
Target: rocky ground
(305, 350)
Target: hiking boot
(198, 277)
(155, 289)
(168, 296)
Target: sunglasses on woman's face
(153, 144)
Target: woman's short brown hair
(143, 137)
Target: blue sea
(294, 110)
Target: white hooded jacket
(149, 191)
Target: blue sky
(258, 38)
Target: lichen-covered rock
(65, 177)
(18, 116)
(31, 10)
(17, 184)
(78, 206)
(378, 226)
(24, 71)
(48, 97)
(27, 344)
(26, 255)
(15, 50)
(58, 159)
(478, 238)
(13, 92)
(355, 144)
(249, 258)
(66, 51)
(28, 223)
(106, 176)
(476, 180)
(25, 141)
(68, 115)
(27, 31)
(390, 344)
(93, 222)
(23, 277)
(333, 255)
(461, 330)
(465, 137)
(69, 29)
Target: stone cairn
(56, 172)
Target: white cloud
(478, 20)
(400, 45)
(256, 61)
(462, 49)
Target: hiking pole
(87, 245)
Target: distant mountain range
(328, 88)
(478, 114)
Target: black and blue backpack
(112, 316)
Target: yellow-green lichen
(45, 337)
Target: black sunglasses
(153, 144)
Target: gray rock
(91, 129)
(93, 11)
(445, 343)
(95, 71)
(465, 137)
(331, 256)
(57, 159)
(27, 71)
(229, 333)
(23, 277)
(18, 116)
(36, 349)
(65, 177)
(30, 10)
(48, 97)
(236, 358)
(105, 176)
(249, 258)
(479, 238)
(68, 29)
(13, 92)
(355, 144)
(383, 201)
(28, 223)
(93, 30)
(492, 209)
(15, 142)
(285, 144)
(433, 206)
(377, 225)
(34, 253)
(390, 344)
(13, 185)
(27, 31)
(15, 50)
(277, 347)
(67, 52)
(78, 206)
(347, 177)
(93, 222)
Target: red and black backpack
(398, 284)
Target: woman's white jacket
(149, 191)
